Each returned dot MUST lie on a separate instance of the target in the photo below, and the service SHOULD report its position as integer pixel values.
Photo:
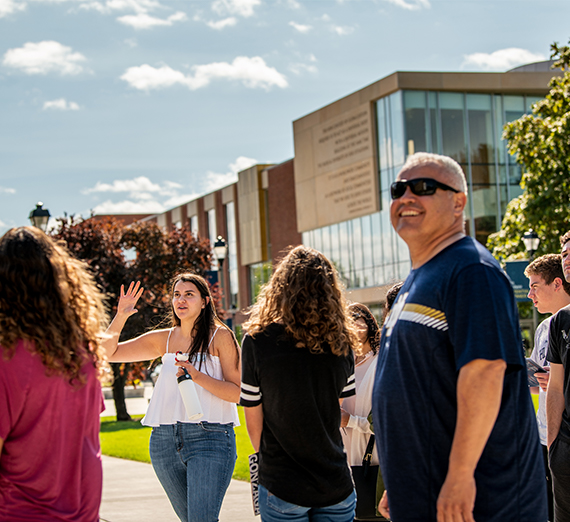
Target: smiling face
(362, 330)
(187, 302)
(423, 222)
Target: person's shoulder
(561, 317)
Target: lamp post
(40, 217)
(221, 251)
(531, 242)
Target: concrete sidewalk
(132, 493)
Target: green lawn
(129, 440)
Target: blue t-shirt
(457, 307)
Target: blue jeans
(194, 463)
(273, 509)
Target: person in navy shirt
(451, 406)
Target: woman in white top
(193, 459)
(355, 423)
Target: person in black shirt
(297, 364)
(558, 399)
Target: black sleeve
(250, 391)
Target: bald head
(447, 166)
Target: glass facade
(232, 254)
(212, 235)
(259, 274)
(465, 126)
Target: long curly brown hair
(49, 300)
(305, 295)
(360, 311)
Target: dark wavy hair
(305, 295)
(360, 311)
(50, 301)
(204, 323)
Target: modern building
(334, 194)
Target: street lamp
(531, 242)
(40, 217)
(221, 251)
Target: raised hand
(128, 299)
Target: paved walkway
(132, 493)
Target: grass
(129, 440)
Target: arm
(225, 348)
(479, 393)
(347, 420)
(1, 445)
(554, 402)
(142, 348)
(383, 507)
(254, 421)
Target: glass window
(194, 225)
(435, 141)
(451, 108)
(259, 274)
(344, 259)
(232, 254)
(212, 234)
(416, 121)
(397, 128)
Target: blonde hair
(305, 295)
(50, 301)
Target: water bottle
(189, 395)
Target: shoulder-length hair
(205, 322)
(305, 295)
(360, 311)
(51, 301)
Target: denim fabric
(194, 463)
(273, 509)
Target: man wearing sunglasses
(452, 411)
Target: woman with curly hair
(297, 365)
(51, 320)
(193, 459)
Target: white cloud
(7, 190)
(300, 27)
(7, 7)
(61, 105)
(145, 21)
(129, 207)
(300, 67)
(43, 58)
(144, 196)
(110, 6)
(252, 72)
(411, 5)
(243, 8)
(293, 4)
(222, 24)
(131, 42)
(501, 60)
(216, 180)
(342, 31)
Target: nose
(530, 293)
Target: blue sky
(139, 105)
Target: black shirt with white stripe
(302, 459)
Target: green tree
(541, 143)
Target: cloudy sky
(138, 105)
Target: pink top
(50, 464)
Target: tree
(159, 256)
(541, 143)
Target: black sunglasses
(419, 186)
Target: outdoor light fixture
(531, 242)
(40, 217)
(220, 250)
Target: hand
(542, 379)
(383, 507)
(456, 500)
(344, 417)
(128, 300)
(188, 367)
